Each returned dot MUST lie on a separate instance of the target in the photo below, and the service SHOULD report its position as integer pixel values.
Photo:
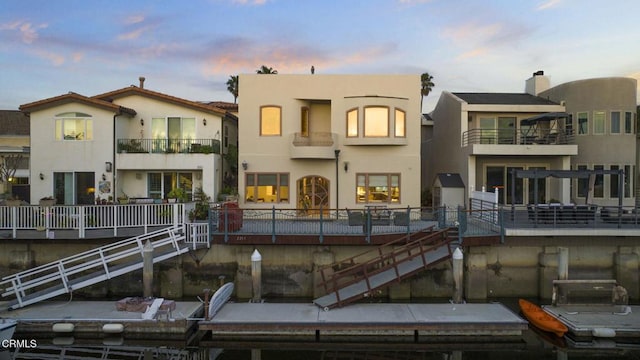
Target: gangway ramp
(353, 279)
(93, 266)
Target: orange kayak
(541, 319)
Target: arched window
(74, 126)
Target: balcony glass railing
(508, 136)
(169, 146)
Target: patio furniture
(356, 218)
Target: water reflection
(529, 346)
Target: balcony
(168, 146)
(316, 145)
(513, 142)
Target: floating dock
(586, 323)
(101, 318)
(391, 322)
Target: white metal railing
(90, 267)
(92, 217)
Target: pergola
(548, 132)
(572, 174)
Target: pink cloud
(28, 32)
(132, 35)
(55, 59)
(250, 2)
(548, 4)
(240, 55)
(134, 19)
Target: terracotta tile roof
(224, 105)
(135, 90)
(14, 122)
(74, 97)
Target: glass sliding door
(74, 188)
(506, 130)
(542, 188)
(496, 178)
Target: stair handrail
(403, 237)
(56, 270)
(90, 252)
(380, 258)
(364, 268)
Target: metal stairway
(93, 266)
(355, 278)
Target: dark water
(531, 345)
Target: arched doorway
(313, 194)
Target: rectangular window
(615, 122)
(614, 188)
(598, 122)
(267, 187)
(583, 123)
(400, 123)
(304, 121)
(352, 123)
(598, 186)
(568, 125)
(154, 185)
(628, 122)
(270, 121)
(583, 183)
(378, 188)
(376, 121)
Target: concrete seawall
(521, 267)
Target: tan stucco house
(329, 141)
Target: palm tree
(426, 85)
(232, 86)
(266, 70)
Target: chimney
(537, 83)
(141, 78)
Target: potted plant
(177, 194)
(201, 210)
(123, 198)
(13, 201)
(47, 201)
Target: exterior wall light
(41, 176)
(245, 165)
(108, 166)
(204, 121)
(346, 166)
(141, 122)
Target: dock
(100, 318)
(587, 323)
(363, 322)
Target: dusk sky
(190, 48)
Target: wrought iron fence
(169, 146)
